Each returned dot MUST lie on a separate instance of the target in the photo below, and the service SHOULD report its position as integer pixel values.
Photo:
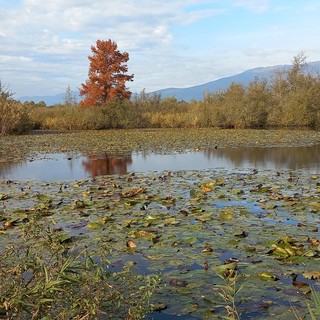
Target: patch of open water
(65, 167)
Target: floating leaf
(4, 196)
(159, 306)
(44, 197)
(225, 269)
(268, 276)
(226, 215)
(204, 217)
(190, 240)
(94, 225)
(65, 237)
(146, 234)
(244, 234)
(219, 182)
(178, 282)
(207, 248)
(300, 284)
(127, 223)
(190, 309)
(8, 224)
(238, 191)
(315, 206)
(131, 244)
(171, 220)
(208, 186)
(184, 212)
(312, 275)
(133, 192)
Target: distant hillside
(49, 100)
(196, 92)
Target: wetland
(195, 214)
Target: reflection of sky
(58, 167)
(183, 161)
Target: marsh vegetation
(289, 99)
(201, 244)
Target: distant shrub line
(290, 98)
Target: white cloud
(45, 44)
(59, 33)
(256, 6)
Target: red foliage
(107, 75)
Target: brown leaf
(207, 248)
(178, 283)
(300, 284)
(244, 234)
(132, 192)
(8, 224)
(184, 212)
(312, 275)
(131, 244)
(314, 242)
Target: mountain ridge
(196, 92)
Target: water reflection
(292, 158)
(64, 167)
(106, 164)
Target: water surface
(65, 167)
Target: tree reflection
(6, 168)
(280, 157)
(106, 164)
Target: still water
(64, 167)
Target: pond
(201, 208)
(61, 166)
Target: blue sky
(171, 43)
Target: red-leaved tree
(107, 75)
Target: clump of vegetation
(49, 276)
(14, 117)
(229, 291)
(314, 310)
(290, 99)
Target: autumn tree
(107, 75)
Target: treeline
(290, 98)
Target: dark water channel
(63, 167)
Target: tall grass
(49, 277)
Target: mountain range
(197, 92)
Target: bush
(14, 117)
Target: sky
(44, 45)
